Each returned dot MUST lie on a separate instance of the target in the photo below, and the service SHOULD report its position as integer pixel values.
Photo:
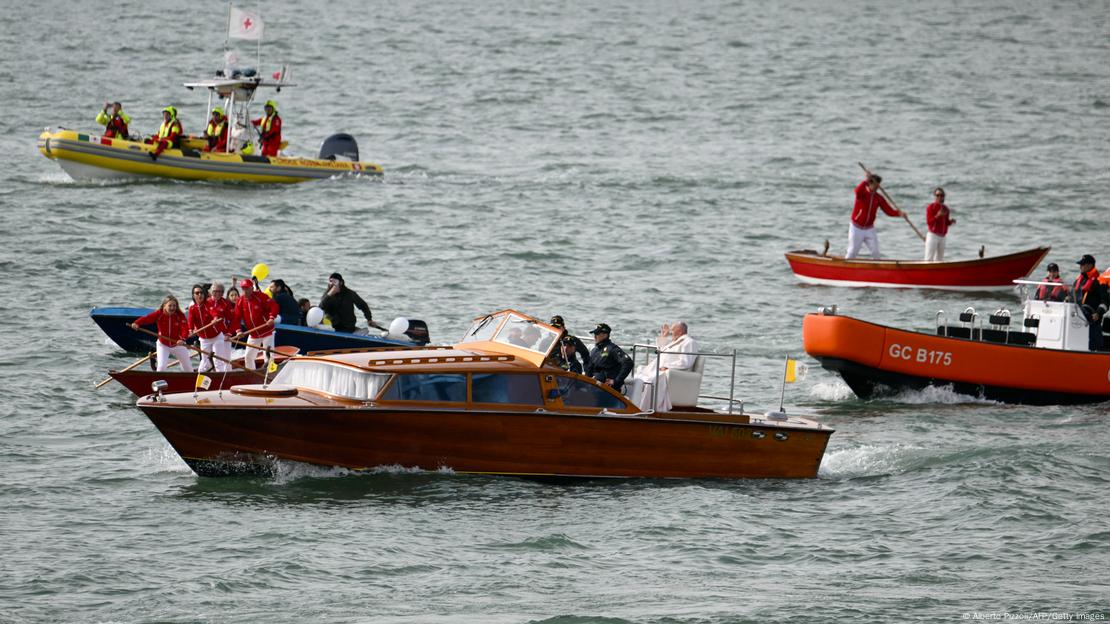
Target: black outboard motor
(418, 332)
(339, 146)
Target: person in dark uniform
(339, 303)
(1091, 297)
(566, 356)
(608, 363)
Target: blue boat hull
(116, 323)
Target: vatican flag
(203, 381)
(794, 371)
(273, 367)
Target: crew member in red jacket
(169, 133)
(172, 332)
(216, 132)
(270, 129)
(1091, 297)
(258, 312)
(861, 230)
(938, 217)
(220, 307)
(205, 325)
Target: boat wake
(869, 461)
(831, 391)
(287, 471)
(943, 395)
(165, 459)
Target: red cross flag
(244, 25)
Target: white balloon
(314, 317)
(399, 326)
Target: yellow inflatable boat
(94, 157)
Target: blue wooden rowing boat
(116, 323)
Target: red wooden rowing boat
(139, 380)
(977, 274)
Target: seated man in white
(677, 351)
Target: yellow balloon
(260, 271)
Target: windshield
(482, 329)
(524, 332)
(331, 378)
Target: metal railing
(658, 351)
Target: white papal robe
(678, 354)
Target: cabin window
(418, 387)
(522, 332)
(338, 380)
(578, 393)
(483, 328)
(502, 388)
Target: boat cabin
(499, 362)
(1044, 324)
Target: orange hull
(868, 356)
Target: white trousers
(934, 247)
(253, 350)
(163, 353)
(221, 348)
(858, 237)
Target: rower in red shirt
(861, 230)
(172, 332)
(938, 217)
(205, 324)
(258, 312)
(220, 307)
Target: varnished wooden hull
(976, 274)
(139, 381)
(218, 441)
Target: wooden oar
(203, 352)
(133, 365)
(891, 200)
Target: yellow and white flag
(273, 367)
(245, 25)
(795, 371)
(203, 381)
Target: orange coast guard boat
(1044, 362)
(491, 404)
(812, 267)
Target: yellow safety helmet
(272, 104)
(218, 110)
(171, 110)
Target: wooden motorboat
(116, 323)
(1044, 361)
(992, 272)
(139, 380)
(490, 404)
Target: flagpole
(227, 37)
(258, 45)
(782, 396)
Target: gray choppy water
(625, 162)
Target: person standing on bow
(1091, 297)
(173, 331)
(216, 132)
(269, 127)
(201, 323)
(861, 229)
(608, 363)
(169, 133)
(257, 312)
(114, 120)
(339, 303)
(938, 217)
(222, 308)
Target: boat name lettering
(924, 356)
(721, 431)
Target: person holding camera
(339, 303)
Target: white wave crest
(936, 394)
(287, 471)
(165, 459)
(831, 391)
(867, 461)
